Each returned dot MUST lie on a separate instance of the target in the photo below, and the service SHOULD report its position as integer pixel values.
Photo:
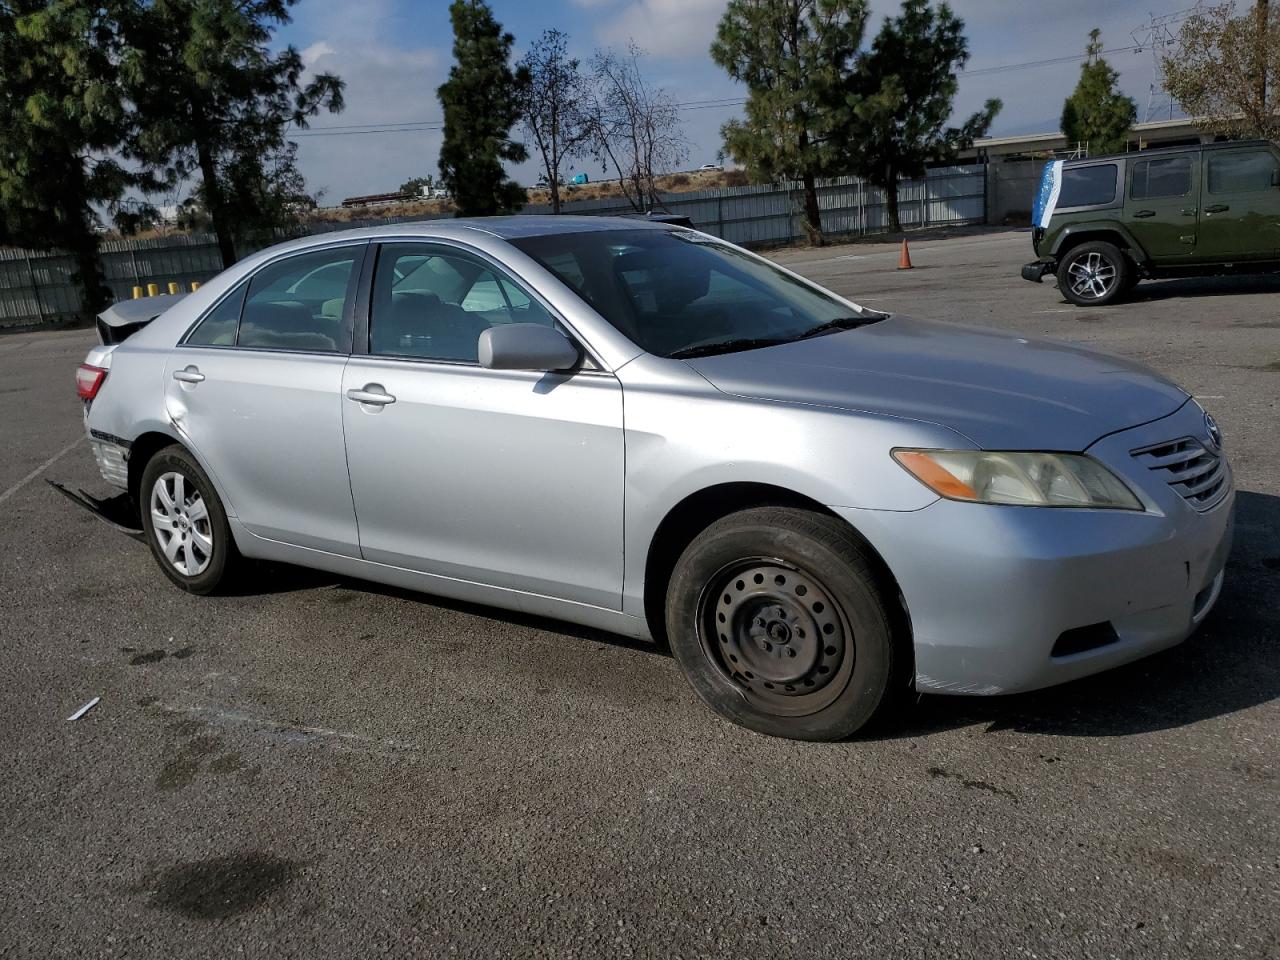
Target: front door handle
(1143, 214)
(188, 374)
(1217, 208)
(371, 393)
(1188, 211)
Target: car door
(255, 388)
(1160, 206)
(1241, 197)
(503, 477)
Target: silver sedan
(644, 429)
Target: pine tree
(1097, 114)
(901, 98)
(794, 56)
(61, 117)
(481, 101)
(214, 100)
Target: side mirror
(526, 346)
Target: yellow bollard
(137, 293)
(195, 285)
(174, 288)
(153, 289)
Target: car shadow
(1156, 290)
(1229, 664)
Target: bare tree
(1226, 67)
(552, 107)
(635, 127)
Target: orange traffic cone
(904, 261)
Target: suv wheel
(777, 619)
(1094, 274)
(184, 521)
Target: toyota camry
(644, 429)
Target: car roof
(449, 228)
(1161, 151)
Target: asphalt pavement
(324, 768)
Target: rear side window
(218, 328)
(1087, 186)
(1251, 171)
(299, 303)
(1161, 177)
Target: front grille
(1196, 472)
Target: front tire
(184, 521)
(1095, 274)
(780, 623)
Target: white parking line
(39, 470)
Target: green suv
(1104, 223)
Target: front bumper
(1006, 599)
(1036, 270)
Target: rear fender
(1107, 230)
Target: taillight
(89, 380)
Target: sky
(393, 54)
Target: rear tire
(780, 623)
(185, 523)
(1094, 274)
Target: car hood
(1000, 391)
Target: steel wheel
(180, 521)
(775, 632)
(1092, 276)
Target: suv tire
(1095, 274)
(778, 619)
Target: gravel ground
(324, 768)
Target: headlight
(1025, 479)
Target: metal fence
(37, 288)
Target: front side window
(679, 293)
(1162, 177)
(433, 303)
(1088, 186)
(1244, 171)
(299, 303)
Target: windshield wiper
(727, 346)
(843, 323)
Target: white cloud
(314, 52)
(669, 29)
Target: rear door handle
(188, 374)
(1217, 208)
(371, 393)
(1143, 214)
(1188, 211)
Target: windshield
(678, 293)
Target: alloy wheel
(1092, 276)
(180, 521)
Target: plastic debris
(85, 709)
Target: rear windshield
(672, 292)
(1087, 186)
